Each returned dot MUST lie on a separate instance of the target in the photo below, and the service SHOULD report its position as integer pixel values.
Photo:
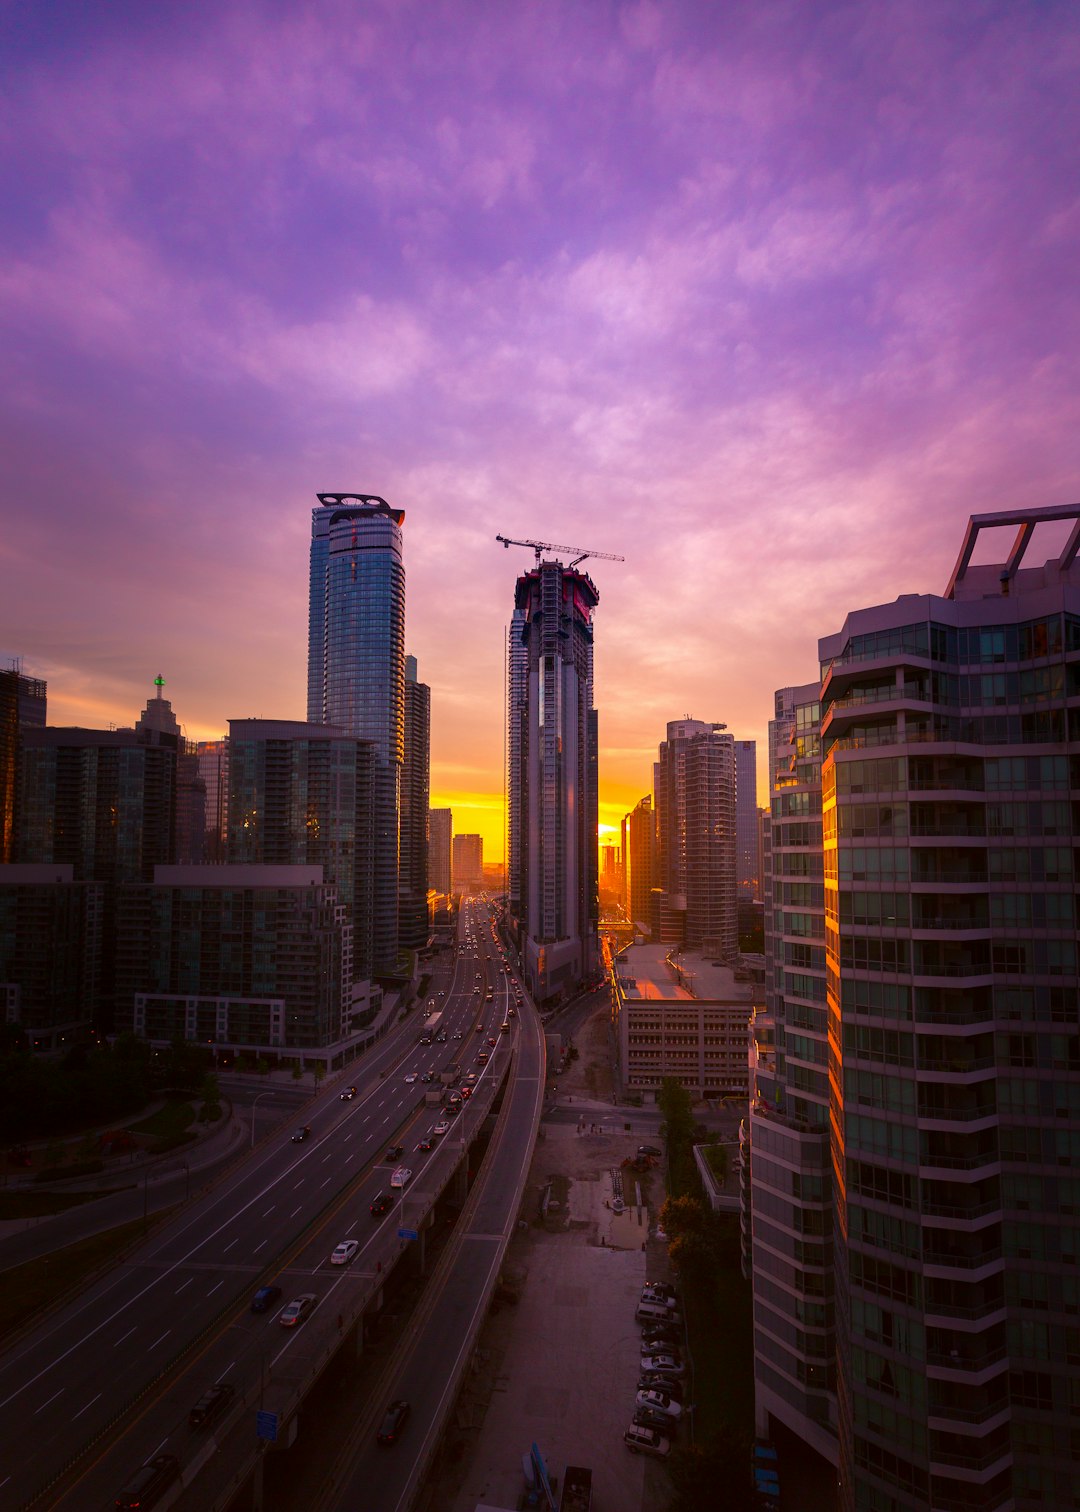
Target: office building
(415, 791)
(517, 671)
(50, 953)
(468, 863)
(356, 666)
(213, 757)
(554, 807)
(640, 861)
(694, 789)
(440, 836)
(158, 719)
(948, 795)
(747, 876)
(22, 706)
(302, 794)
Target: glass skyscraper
(356, 666)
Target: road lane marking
(295, 1211)
(122, 1337)
(229, 1246)
(51, 1399)
(270, 1209)
(179, 1289)
(165, 1335)
(89, 1404)
(258, 1247)
(213, 1289)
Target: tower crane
(581, 551)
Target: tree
(698, 1470)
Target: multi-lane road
(184, 1296)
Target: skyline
(767, 302)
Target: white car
(659, 1401)
(442, 1127)
(410, 1078)
(401, 1177)
(344, 1252)
(668, 1364)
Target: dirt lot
(557, 1360)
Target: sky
(764, 298)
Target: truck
(576, 1489)
(434, 1096)
(431, 1028)
(450, 1075)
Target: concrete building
(694, 793)
(158, 719)
(50, 952)
(22, 706)
(440, 853)
(468, 863)
(244, 957)
(356, 666)
(414, 926)
(213, 758)
(948, 789)
(302, 794)
(640, 862)
(517, 671)
(554, 908)
(680, 1016)
(747, 875)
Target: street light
(253, 1105)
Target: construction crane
(581, 552)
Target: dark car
(663, 1338)
(647, 1417)
(395, 1152)
(148, 1485)
(348, 1094)
(301, 1134)
(427, 1143)
(264, 1298)
(210, 1405)
(381, 1204)
(648, 1150)
(651, 1381)
(392, 1424)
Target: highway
(276, 1216)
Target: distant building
(415, 791)
(22, 706)
(517, 667)
(50, 953)
(553, 887)
(468, 863)
(694, 787)
(747, 875)
(640, 861)
(213, 757)
(356, 666)
(440, 838)
(158, 717)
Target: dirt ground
(561, 1331)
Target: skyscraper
(356, 666)
(213, 756)
(747, 877)
(949, 787)
(640, 868)
(22, 705)
(415, 790)
(694, 784)
(440, 834)
(553, 787)
(517, 669)
(468, 862)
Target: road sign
(266, 1424)
(407, 1234)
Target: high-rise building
(356, 666)
(50, 953)
(949, 788)
(517, 671)
(301, 794)
(554, 790)
(747, 876)
(22, 706)
(213, 756)
(440, 836)
(468, 862)
(158, 717)
(694, 786)
(640, 863)
(415, 790)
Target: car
(658, 1289)
(211, 1405)
(382, 1202)
(459, 1034)
(442, 1127)
(482, 1058)
(301, 1134)
(453, 1109)
(471, 1079)
(401, 1177)
(428, 1076)
(442, 991)
(410, 1077)
(511, 1012)
(658, 1401)
(344, 1251)
(649, 1150)
(393, 1422)
(348, 1094)
(264, 1298)
(650, 1381)
(667, 1364)
(466, 1092)
(641, 1440)
(149, 1484)
(427, 1143)
(492, 1041)
(505, 1025)
(298, 1310)
(476, 992)
(394, 1151)
(479, 1028)
(645, 1417)
(656, 1340)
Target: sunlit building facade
(694, 794)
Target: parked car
(298, 1310)
(264, 1298)
(381, 1204)
(641, 1440)
(649, 1150)
(651, 1380)
(211, 1405)
(301, 1134)
(348, 1094)
(667, 1364)
(396, 1416)
(149, 1484)
(661, 1288)
(645, 1417)
(344, 1252)
(654, 1338)
(658, 1401)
